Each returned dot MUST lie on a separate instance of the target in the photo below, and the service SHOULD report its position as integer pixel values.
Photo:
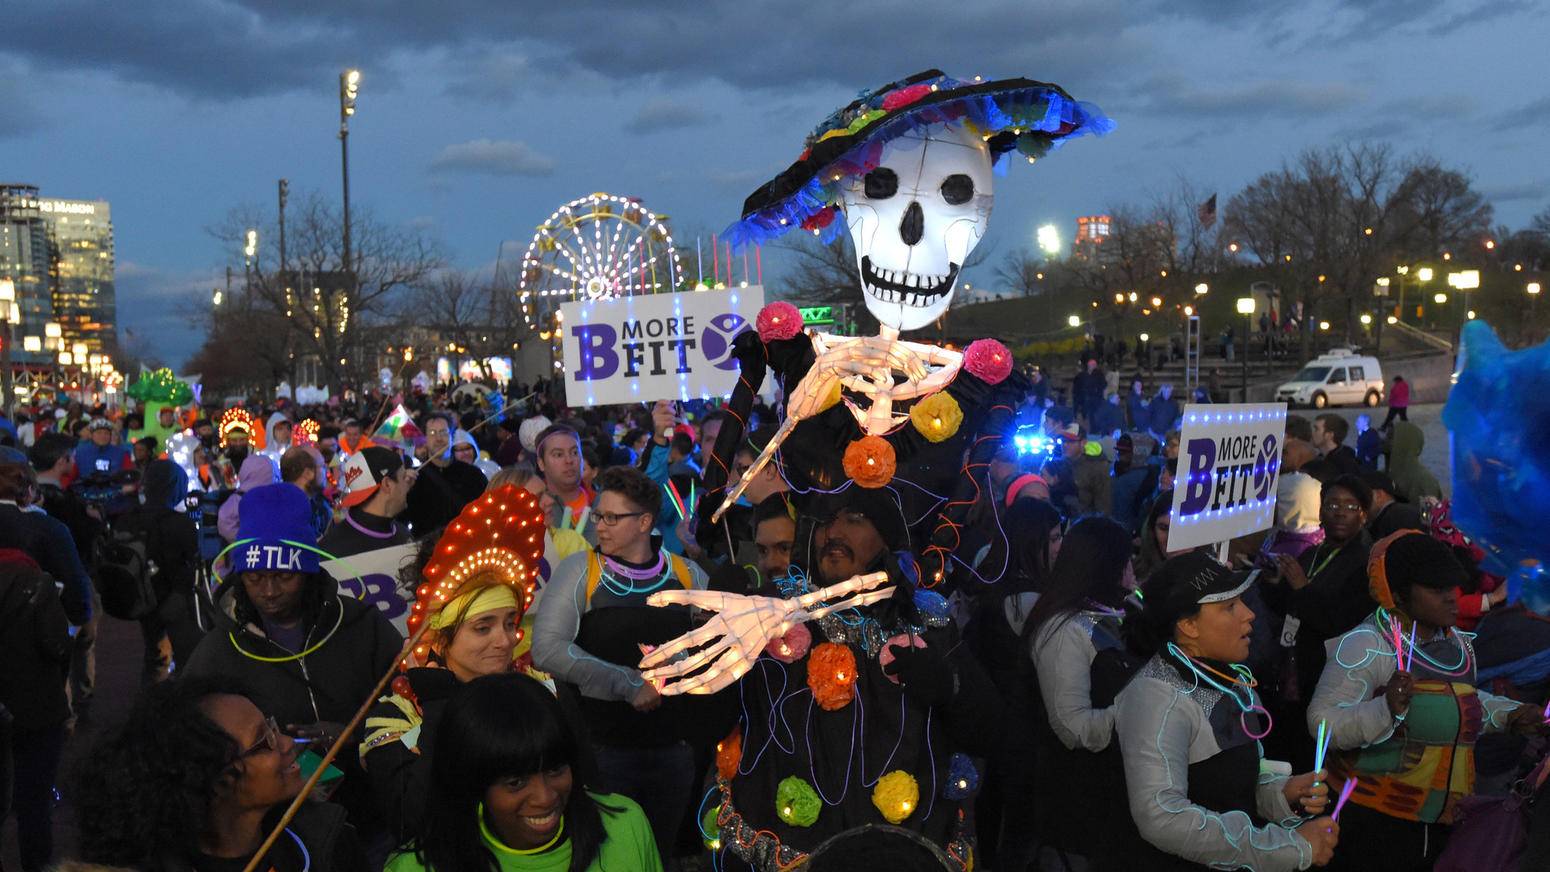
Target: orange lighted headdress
(235, 418)
(497, 539)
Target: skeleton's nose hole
(913, 225)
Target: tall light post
(1246, 309)
(12, 314)
(349, 89)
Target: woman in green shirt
(506, 796)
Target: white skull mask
(915, 218)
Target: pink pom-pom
(792, 646)
(779, 321)
(886, 656)
(905, 96)
(988, 360)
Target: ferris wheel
(594, 248)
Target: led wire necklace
(1244, 680)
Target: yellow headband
(486, 599)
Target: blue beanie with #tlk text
(274, 516)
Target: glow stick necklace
(1464, 666)
(1246, 681)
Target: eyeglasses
(1334, 506)
(608, 519)
(268, 740)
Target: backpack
(124, 572)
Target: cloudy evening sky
(478, 117)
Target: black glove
(926, 675)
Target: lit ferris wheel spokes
(594, 248)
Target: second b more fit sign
(655, 346)
(1229, 462)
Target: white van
(1340, 377)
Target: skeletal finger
(703, 636)
(691, 663)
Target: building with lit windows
(81, 248)
(24, 259)
(1091, 232)
(59, 254)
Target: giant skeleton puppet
(912, 166)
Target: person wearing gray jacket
(1201, 793)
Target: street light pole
(349, 87)
(1246, 309)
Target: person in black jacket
(172, 546)
(445, 484)
(376, 488)
(32, 694)
(28, 529)
(194, 781)
(1329, 433)
(1321, 596)
(310, 655)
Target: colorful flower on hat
(819, 220)
(778, 320)
(937, 417)
(796, 802)
(792, 645)
(870, 461)
(905, 96)
(831, 674)
(896, 796)
(988, 360)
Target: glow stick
(1397, 637)
(678, 500)
(1322, 747)
(672, 497)
(1345, 793)
(1410, 659)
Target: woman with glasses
(195, 779)
(507, 792)
(588, 634)
(1321, 595)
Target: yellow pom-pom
(831, 399)
(937, 417)
(896, 796)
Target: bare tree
(325, 305)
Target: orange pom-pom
(831, 673)
(870, 461)
(729, 752)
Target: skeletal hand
(724, 649)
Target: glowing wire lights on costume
(596, 247)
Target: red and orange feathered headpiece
(488, 558)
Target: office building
(81, 248)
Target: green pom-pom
(709, 830)
(796, 802)
(160, 386)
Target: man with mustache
(883, 695)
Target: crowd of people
(1073, 694)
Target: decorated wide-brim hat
(1012, 115)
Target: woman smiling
(507, 792)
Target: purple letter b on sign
(1197, 481)
(595, 350)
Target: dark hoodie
(172, 545)
(1412, 481)
(349, 645)
(36, 642)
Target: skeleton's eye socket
(957, 189)
(881, 184)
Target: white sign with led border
(650, 347)
(1229, 461)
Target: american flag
(1207, 212)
